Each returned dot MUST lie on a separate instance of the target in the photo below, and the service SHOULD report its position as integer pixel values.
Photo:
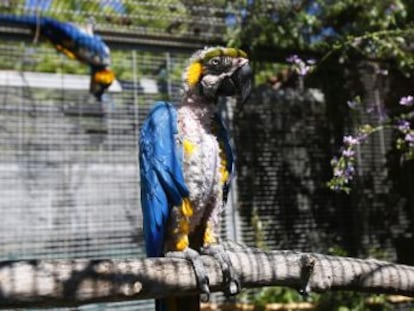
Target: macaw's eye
(215, 61)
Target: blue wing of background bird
(162, 180)
(66, 37)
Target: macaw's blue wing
(162, 180)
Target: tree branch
(52, 283)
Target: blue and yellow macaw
(186, 163)
(75, 43)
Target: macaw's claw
(194, 258)
(230, 278)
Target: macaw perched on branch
(74, 42)
(186, 163)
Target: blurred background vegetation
(272, 30)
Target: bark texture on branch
(75, 282)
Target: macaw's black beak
(239, 83)
(243, 78)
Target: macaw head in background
(101, 80)
(219, 71)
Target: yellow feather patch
(65, 51)
(182, 243)
(188, 146)
(209, 236)
(184, 226)
(186, 208)
(194, 73)
(224, 174)
(104, 76)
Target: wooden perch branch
(52, 283)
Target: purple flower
(409, 138)
(403, 125)
(393, 7)
(294, 59)
(338, 172)
(363, 136)
(350, 140)
(303, 69)
(349, 172)
(348, 153)
(352, 104)
(407, 100)
(370, 109)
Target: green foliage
(276, 294)
(329, 301)
(368, 28)
(351, 301)
(264, 70)
(336, 250)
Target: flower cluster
(302, 67)
(344, 165)
(407, 100)
(405, 142)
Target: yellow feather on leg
(182, 243)
(186, 208)
(182, 228)
(209, 237)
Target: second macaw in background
(74, 42)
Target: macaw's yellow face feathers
(193, 75)
(194, 70)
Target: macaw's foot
(230, 278)
(195, 259)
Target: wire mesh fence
(282, 165)
(69, 171)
